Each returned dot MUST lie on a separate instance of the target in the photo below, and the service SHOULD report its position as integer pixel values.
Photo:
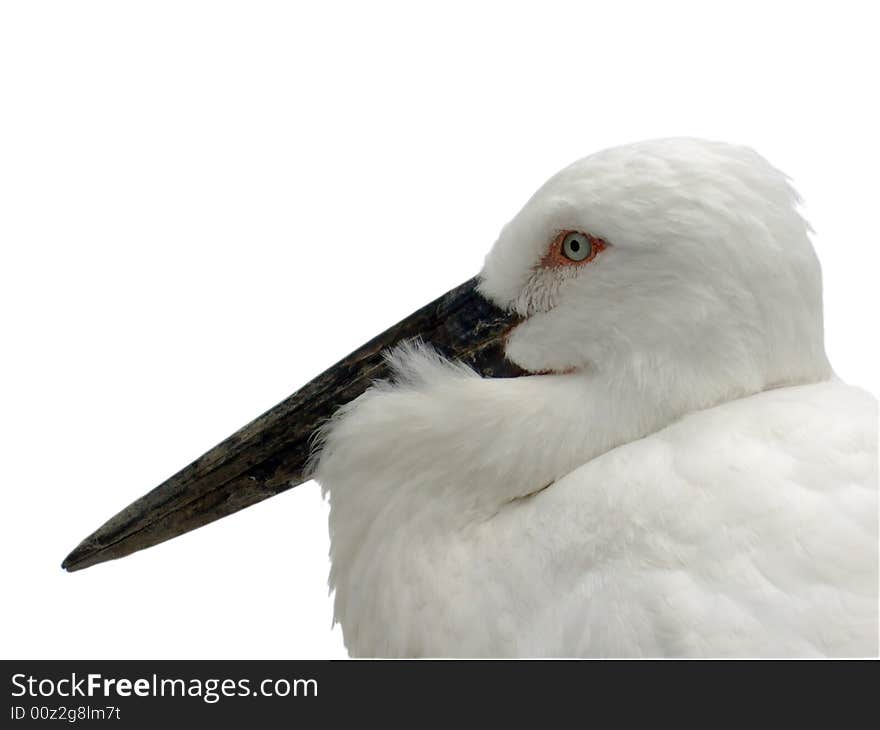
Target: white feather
(699, 485)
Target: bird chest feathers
(724, 534)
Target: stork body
(623, 438)
(682, 476)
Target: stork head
(668, 261)
(662, 255)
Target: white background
(202, 205)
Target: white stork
(623, 438)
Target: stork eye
(577, 246)
(571, 248)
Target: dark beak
(270, 454)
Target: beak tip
(90, 551)
(76, 560)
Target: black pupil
(574, 245)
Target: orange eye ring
(572, 248)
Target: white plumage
(685, 478)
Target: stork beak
(270, 454)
